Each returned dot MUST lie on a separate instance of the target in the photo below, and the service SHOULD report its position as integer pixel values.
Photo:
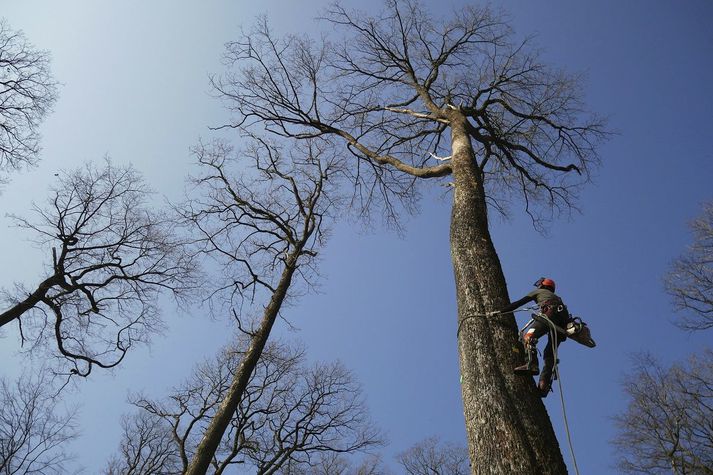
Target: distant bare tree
(432, 457)
(690, 280)
(289, 414)
(336, 464)
(668, 425)
(27, 93)
(400, 87)
(147, 448)
(34, 432)
(428, 457)
(263, 219)
(111, 253)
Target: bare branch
(393, 86)
(34, 431)
(112, 255)
(468, 68)
(254, 209)
(431, 456)
(27, 93)
(690, 280)
(329, 463)
(667, 425)
(289, 414)
(264, 223)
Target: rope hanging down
(554, 329)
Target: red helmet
(545, 282)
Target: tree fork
(507, 425)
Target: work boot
(532, 366)
(544, 386)
(548, 372)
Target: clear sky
(134, 80)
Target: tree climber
(553, 308)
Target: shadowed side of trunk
(506, 421)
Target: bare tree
(289, 414)
(27, 93)
(111, 255)
(667, 427)
(428, 457)
(263, 223)
(400, 88)
(336, 464)
(34, 432)
(690, 280)
(432, 457)
(147, 447)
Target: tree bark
(507, 425)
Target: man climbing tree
(400, 87)
(553, 308)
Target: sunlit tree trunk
(507, 424)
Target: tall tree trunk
(216, 429)
(508, 428)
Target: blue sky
(135, 86)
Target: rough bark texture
(508, 428)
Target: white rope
(553, 335)
(494, 314)
(440, 159)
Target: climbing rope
(554, 342)
(496, 314)
(553, 336)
